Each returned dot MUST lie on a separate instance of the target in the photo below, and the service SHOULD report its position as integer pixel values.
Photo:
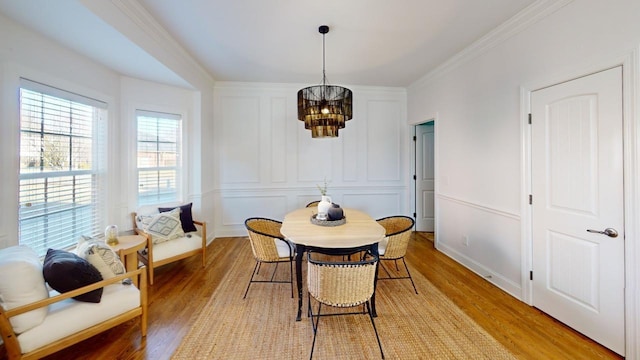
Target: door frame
(418, 199)
(631, 149)
(413, 158)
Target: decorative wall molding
(232, 207)
(495, 211)
(519, 22)
(384, 140)
(481, 238)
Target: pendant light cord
(324, 76)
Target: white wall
(268, 164)
(481, 188)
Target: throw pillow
(186, 217)
(165, 226)
(143, 221)
(102, 257)
(21, 283)
(65, 271)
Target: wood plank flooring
(183, 288)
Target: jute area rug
(263, 326)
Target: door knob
(610, 232)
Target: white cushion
(167, 249)
(22, 282)
(382, 246)
(284, 248)
(165, 226)
(70, 316)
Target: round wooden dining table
(359, 232)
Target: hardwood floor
(181, 289)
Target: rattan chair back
(398, 232)
(262, 233)
(341, 284)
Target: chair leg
(375, 329)
(385, 270)
(402, 277)
(273, 275)
(150, 275)
(410, 278)
(255, 270)
(314, 325)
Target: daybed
(36, 321)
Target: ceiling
(370, 42)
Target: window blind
(158, 157)
(60, 155)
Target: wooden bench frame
(151, 264)
(12, 345)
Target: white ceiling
(371, 42)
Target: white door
(424, 177)
(577, 186)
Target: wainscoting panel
(315, 156)
(483, 239)
(240, 139)
(377, 204)
(236, 209)
(350, 155)
(384, 142)
(234, 206)
(278, 142)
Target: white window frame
(162, 194)
(59, 217)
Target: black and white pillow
(102, 256)
(165, 226)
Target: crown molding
(148, 24)
(144, 30)
(516, 24)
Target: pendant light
(324, 108)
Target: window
(159, 150)
(59, 189)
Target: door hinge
(529, 118)
(414, 177)
(414, 138)
(530, 275)
(414, 215)
(530, 199)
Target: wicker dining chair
(313, 203)
(394, 245)
(341, 284)
(268, 246)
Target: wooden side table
(127, 248)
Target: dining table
(359, 232)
